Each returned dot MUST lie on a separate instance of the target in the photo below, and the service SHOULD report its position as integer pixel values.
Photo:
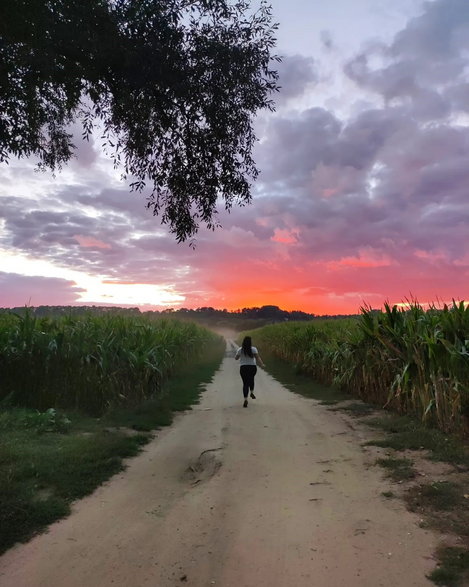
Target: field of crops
(94, 362)
(413, 360)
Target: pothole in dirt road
(204, 467)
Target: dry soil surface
(279, 494)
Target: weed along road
(279, 494)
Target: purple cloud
(373, 202)
(297, 74)
(21, 290)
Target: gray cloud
(425, 64)
(326, 40)
(297, 74)
(20, 290)
(385, 188)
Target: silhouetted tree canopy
(172, 85)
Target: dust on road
(280, 494)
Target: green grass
(358, 409)
(439, 496)
(48, 459)
(398, 469)
(405, 433)
(41, 473)
(442, 503)
(179, 394)
(453, 569)
(296, 381)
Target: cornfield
(413, 360)
(93, 362)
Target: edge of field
(429, 469)
(50, 459)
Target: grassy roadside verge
(49, 459)
(415, 455)
(298, 382)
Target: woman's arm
(238, 353)
(259, 360)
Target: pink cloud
(362, 260)
(430, 256)
(329, 192)
(285, 236)
(265, 222)
(334, 180)
(90, 242)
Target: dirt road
(279, 494)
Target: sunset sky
(362, 197)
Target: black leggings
(247, 373)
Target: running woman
(248, 358)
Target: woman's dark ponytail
(247, 346)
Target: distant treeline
(241, 319)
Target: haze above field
(362, 195)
